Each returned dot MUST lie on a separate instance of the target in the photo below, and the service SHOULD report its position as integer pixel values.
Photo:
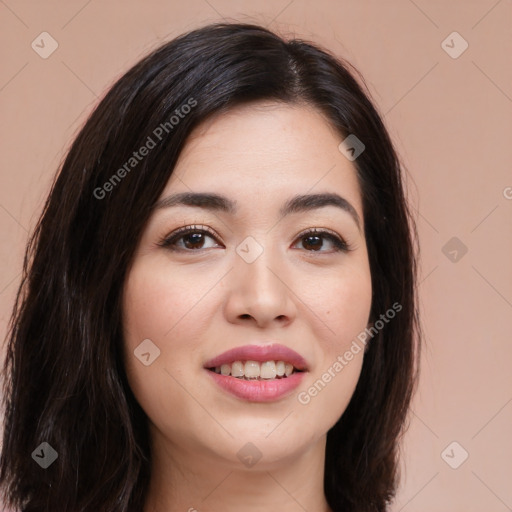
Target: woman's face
(250, 276)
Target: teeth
(237, 369)
(252, 370)
(268, 370)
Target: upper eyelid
(210, 231)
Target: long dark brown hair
(64, 382)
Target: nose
(260, 293)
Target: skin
(198, 302)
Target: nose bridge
(260, 281)
(257, 264)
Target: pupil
(317, 243)
(195, 237)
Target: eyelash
(340, 245)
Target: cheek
(160, 308)
(353, 304)
(158, 302)
(325, 397)
(342, 309)
(341, 304)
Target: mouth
(258, 373)
(254, 370)
(258, 361)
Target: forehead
(267, 147)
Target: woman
(218, 309)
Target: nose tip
(259, 293)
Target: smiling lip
(258, 390)
(264, 390)
(259, 353)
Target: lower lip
(258, 390)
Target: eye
(193, 238)
(313, 240)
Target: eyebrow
(296, 204)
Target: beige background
(451, 119)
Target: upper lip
(260, 353)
